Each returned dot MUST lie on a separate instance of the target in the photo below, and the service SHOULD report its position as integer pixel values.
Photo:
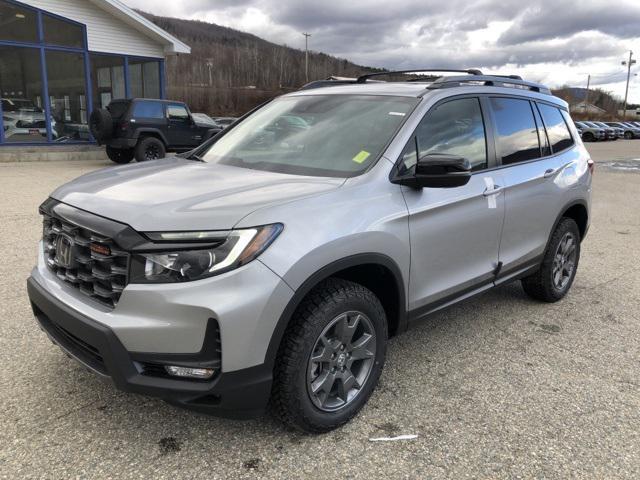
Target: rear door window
(517, 135)
(557, 130)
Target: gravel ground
(497, 387)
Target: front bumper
(238, 394)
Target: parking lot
(497, 387)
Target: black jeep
(146, 129)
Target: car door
(454, 232)
(181, 130)
(532, 158)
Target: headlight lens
(238, 248)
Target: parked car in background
(618, 132)
(591, 133)
(635, 128)
(610, 132)
(635, 124)
(146, 129)
(204, 119)
(630, 131)
(224, 122)
(23, 120)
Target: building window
(23, 117)
(59, 32)
(107, 78)
(144, 78)
(18, 24)
(68, 96)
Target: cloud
(545, 21)
(560, 41)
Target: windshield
(320, 135)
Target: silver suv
(270, 266)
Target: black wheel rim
(152, 152)
(341, 361)
(564, 261)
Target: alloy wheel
(152, 152)
(341, 361)
(564, 261)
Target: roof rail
(364, 78)
(489, 80)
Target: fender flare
(324, 273)
(156, 132)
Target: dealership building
(59, 59)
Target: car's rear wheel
(149, 148)
(331, 357)
(120, 155)
(559, 265)
(628, 135)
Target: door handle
(493, 191)
(549, 172)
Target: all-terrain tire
(290, 400)
(119, 155)
(541, 285)
(149, 148)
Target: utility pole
(306, 56)
(586, 97)
(626, 92)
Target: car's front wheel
(331, 357)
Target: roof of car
(421, 89)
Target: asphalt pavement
(497, 387)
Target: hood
(176, 194)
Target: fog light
(201, 373)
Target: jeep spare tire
(101, 124)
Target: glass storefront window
(23, 117)
(144, 78)
(18, 24)
(59, 32)
(107, 78)
(68, 96)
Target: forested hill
(229, 72)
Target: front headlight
(235, 249)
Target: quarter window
(455, 128)
(148, 110)
(516, 130)
(559, 135)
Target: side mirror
(438, 170)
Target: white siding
(105, 32)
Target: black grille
(99, 272)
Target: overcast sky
(553, 41)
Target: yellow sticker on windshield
(361, 157)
